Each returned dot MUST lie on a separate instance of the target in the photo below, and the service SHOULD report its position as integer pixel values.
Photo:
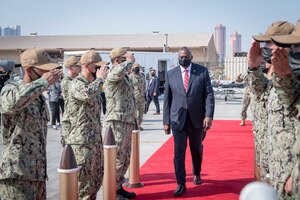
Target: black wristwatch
(252, 69)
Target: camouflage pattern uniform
(24, 130)
(260, 87)
(288, 90)
(84, 110)
(281, 133)
(296, 151)
(65, 87)
(260, 129)
(120, 115)
(139, 86)
(247, 95)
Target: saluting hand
(207, 122)
(102, 72)
(254, 57)
(280, 61)
(131, 58)
(52, 76)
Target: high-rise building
(10, 30)
(235, 43)
(220, 41)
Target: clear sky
(89, 17)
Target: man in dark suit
(153, 92)
(188, 110)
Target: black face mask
(184, 62)
(136, 70)
(267, 54)
(294, 62)
(39, 76)
(94, 73)
(152, 73)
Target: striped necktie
(186, 80)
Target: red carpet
(226, 169)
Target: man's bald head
(185, 51)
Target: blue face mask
(266, 54)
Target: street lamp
(165, 46)
(166, 43)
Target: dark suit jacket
(154, 86)
(198, 101)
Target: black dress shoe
(180, 190)
(197, 180)
(126, 194)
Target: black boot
(124, 193)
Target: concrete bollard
(68, 174)
(110, 154)
(134, 168)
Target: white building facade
(235, 66)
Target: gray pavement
(150, 140)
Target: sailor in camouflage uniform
(259, 123)
(73, 69)
(286, 79)
(24, 118)
(85, 128)
(246, 98)
(139, 86)
(261, 169)
(281, 130)
(120, 114)
(260, 87)
(288, 90)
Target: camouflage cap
(288, 40)
(276, 28)
(118, 52)
(38, 58)
(72, 60)
(92, 57)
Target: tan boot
(242, 122)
